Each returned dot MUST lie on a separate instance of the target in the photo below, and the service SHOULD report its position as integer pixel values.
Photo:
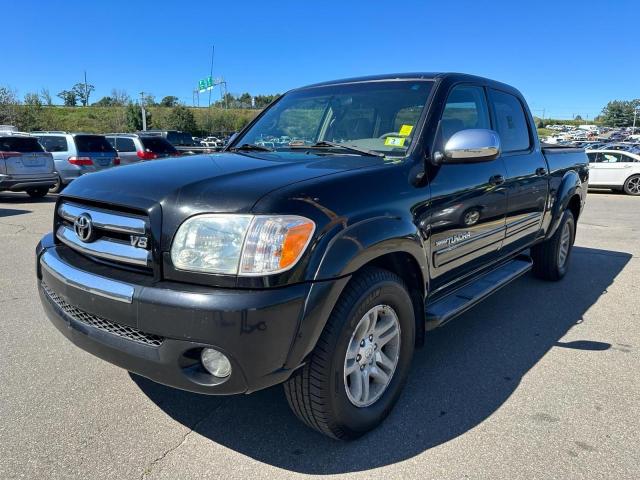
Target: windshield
(376, 116)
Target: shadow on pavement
(19, 198)
(10, 212)
(466, 371)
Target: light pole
(144, 114)
(635, 113)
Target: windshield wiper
(251, 146)
(325, 143)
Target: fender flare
(570, 185)
(358, 244)
(349, 250)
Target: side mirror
(470, 146)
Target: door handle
(496, 180)
(541, 171)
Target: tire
(58, 187)
(39, 192)
(551, 257)
(318, 392)
(632, 185)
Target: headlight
(248, 245)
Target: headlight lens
(241, 244)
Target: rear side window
(511, 122)
(157, 145)
(54, 144)
(20, 144)
(466, 108)
(125, 144)
(92, 143)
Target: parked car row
(43, 161)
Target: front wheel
(355, 374)
(551, 257)
(632, 185)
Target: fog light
(216, 363)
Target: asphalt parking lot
(539, 381)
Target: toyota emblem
(83, 227)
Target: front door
(468, 200)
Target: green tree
(104, 102)
(263, 100)
(169, 101)
(149, 100)
(8, 106)
(182, 119)
(619, 113)
(578, 118)
(46, 97)
(83, 92)
(133, 117)
(120, 97)
(69, 98)
(245, 100)
(32, 99)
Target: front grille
(103, 324)
(104, 234)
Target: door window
(125, 144)
(54, 144)
(608, 157)
(511, 122)
(466, 108)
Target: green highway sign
(205, 84)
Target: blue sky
(567, 57)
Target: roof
(408, 76)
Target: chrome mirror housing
(472, 145)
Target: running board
(459, 301)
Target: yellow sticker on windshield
(394, 141)
(405, 130)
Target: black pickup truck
(393, 204)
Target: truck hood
(224, 183)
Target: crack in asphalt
(149, 468)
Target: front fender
(350, 249)
(570, 185)
(362, 242)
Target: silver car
(24, 165)
(76, 154)
(134, 148)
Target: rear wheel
(632, 185)
(37, 192)
(58, 187)
(355, 374)
(551, 257)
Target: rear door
(97, 149)
(527, 180)
(23, 155)
(468, 199)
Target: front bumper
(19, 183)
(121, 322)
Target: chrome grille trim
(101, 323)
(102, 219)
(109, 250)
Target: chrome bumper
(87, 282)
